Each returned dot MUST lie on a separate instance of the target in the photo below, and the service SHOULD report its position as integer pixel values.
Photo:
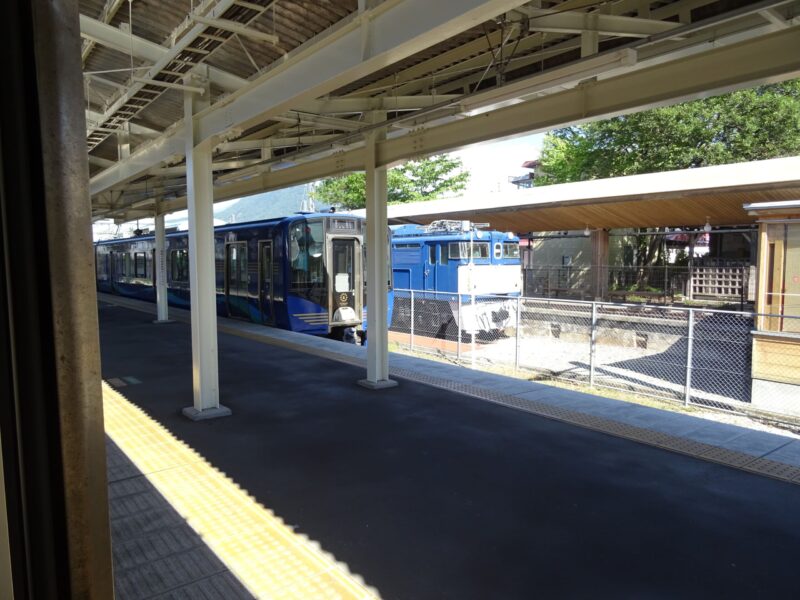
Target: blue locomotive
(462, 276)
(303, 272)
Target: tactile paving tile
(270, 559)
(724, 456)
(774, 468)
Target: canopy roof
(293, 86)
(690, 197)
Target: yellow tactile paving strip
(270, 559)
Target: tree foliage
(752, 124)
(414, 181)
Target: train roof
(236, 226)
(444, 229)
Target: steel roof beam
(238, 29)
(397, 28)
(766, 59)
(478, 53)
(602, 24)
(387, 103)
(281, 142)
(92, 118)
(109, 10)
(143, 49)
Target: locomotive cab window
(461, 250)
(510, 250)
(432, 254)
(498, 251)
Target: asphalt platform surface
(426, 493)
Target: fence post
(592, 338)
(458, 342)
(519, 320)
(687, 394)
(472, 335)
(411, 341)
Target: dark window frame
(137, 272)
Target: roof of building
(688, 197)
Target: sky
(489, 164)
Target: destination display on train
(342, 224)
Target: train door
(345, 272)
(112, 272)
(443, 272)
(236, 280)
(265, 286)
(429, 274)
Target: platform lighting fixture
(707, 226)
(587, 232)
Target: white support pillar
(377, 272)
(160, 268)
(599, 280)
(202, 275)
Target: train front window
(306, 253)
(307, 260)
(510, 250)
(343, 266)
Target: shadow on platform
(430, 494)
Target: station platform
(455, 484)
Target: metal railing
(690, 356)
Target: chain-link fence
(685, 355)
(650, 285)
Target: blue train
(461, 274)
(303, 273)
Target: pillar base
(163, 321)
(381, 384)
(190, 412)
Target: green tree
(413, 181)
(752, 124)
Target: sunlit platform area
(318, 487)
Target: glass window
(460, 250)
(306, 253)
(782, 289)
(498, 251)
(510, 250)
(179, 266)
(432, 254)
(139, 264)
(127, 268)
(316, 251)
(298, 253)
(443, 260)
(237, 267)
